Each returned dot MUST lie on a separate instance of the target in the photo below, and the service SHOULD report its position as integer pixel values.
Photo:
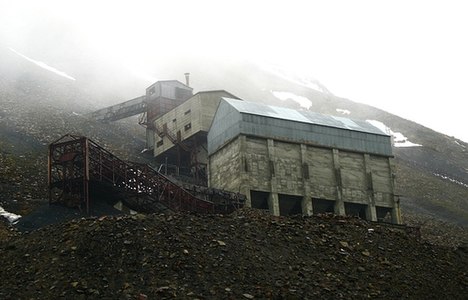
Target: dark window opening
(159, 143)
(174, 120)
(384, 214)
(323, 206)
(187, 112)
(290, 205)
(188, 126)
(259, 199)
(355, 209)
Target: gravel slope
(248, 254)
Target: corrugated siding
(302, 116)
(225, 127)
(229, 123)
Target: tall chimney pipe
(187, 79)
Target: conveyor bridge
(78, 167)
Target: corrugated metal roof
(302, 116)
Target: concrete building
(180, 138)
(293, 162)
(283, 160)
(160, 98)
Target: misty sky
(407, 57)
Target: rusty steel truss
(77, 164)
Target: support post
(307, 207)
(339, 203)
(371, 212)
(273, 204)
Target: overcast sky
(407, 57)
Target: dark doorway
(259, 199)
(355, 209)
(384, 214)
(290, 205)
(322, 206)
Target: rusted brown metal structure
(76, 164)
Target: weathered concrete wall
(255, 164)
(322, 178)
(191, 117)
(288, 168)
(225, 167)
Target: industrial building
(283, 160)
(294, 162)
(181, 135)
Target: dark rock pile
(246, 255)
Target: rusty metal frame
(74, 161)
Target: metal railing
(75, 161)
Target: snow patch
(43, 65)
(463, 146)
(451, 179)
(283, 96)
(11, 217)
(295, 78)
(399, 140)
(343, 111)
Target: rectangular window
(187, 112)
(174, 120)
(159, 143)
(188, 126)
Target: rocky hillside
(37, 107)
(246, 255)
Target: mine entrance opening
(259, 199)
(355, 209)
(290, 205)
(322, 206)
(384, 214)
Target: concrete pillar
(396, 213)
(273, 201)
(339, 204)
(243, 171)
(273, 204)
(245, 191)
(371, 213)
(307, 206)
